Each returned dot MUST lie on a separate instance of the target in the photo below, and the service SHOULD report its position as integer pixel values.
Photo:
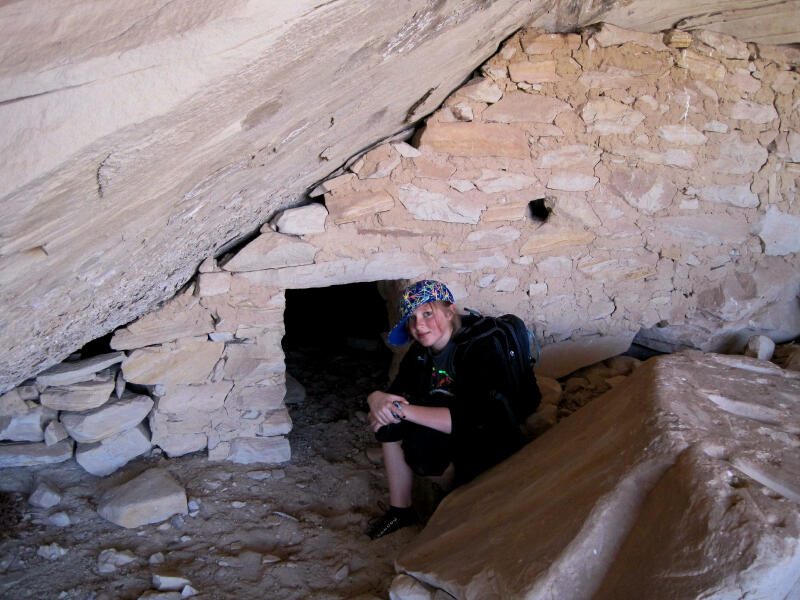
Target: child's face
(432, 325)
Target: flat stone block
(182, 317)
(213, 284)
(272, 251)
(277, 423)
(152, 497)
(204, 396)
(571, 182)
(611, 35)
(520, 107)
(46, 495)
(78, 396)
(473, 260)
(303, 220)
(67, 373)
(104, 457)
(540, 71)
(509, 211)
(476, 139)
(188, 363)
(778, 230)
(380, 266)
(27, 426)
(430, 206)
(547, 239)
(260, 450)
(347, 207)
(605, 116)
(481, 89)
(28, 455)
(114, 417)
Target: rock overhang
(154, 148)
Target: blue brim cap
(414, 296)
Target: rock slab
(28, 455)
(104, 457)
(704, 440)
(152, 497)
(112, 418)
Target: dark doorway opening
(335, 351)
(336, 317)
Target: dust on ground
(289, 532)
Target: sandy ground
(293, 531)
(289, 532)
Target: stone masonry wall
(600, 185)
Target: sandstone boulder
(700, 440)
(151, 497)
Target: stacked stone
(669, 170)
(75, 402)
(213, 360)
(599, 185)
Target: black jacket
(484, 431)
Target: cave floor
(290, 532)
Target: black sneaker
(395, 518)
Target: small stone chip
(51, 551)
(167, 582)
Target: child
(442, 416)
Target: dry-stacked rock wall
(600, 185)
(138, 138)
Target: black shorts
(427, 451)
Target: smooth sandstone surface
(151, 497)
(693, 456)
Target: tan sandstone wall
(670, 174)
(137, 138)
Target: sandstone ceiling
(140, 138)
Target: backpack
(515, 341)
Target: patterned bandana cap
(415, 296)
